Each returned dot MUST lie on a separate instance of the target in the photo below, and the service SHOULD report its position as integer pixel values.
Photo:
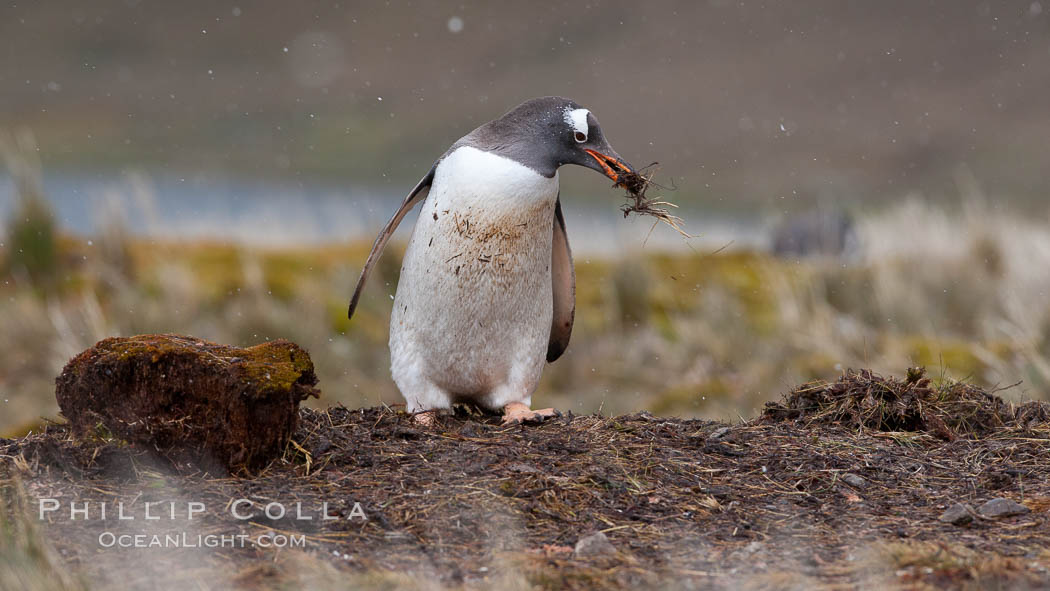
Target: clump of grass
(637, 185)
(865, 399)
(31, 235)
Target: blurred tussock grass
(961, 290)
(27, 560)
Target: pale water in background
(282, 213)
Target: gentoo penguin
(487, 287)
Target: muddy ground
(799, 498)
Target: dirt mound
(218, 406)
(864, 399)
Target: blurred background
(867, 183)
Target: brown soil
(188, 399)
(823, 501)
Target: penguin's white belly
(472, 313)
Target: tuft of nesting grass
(637, 185)
(864, 399)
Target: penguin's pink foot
(425, 419)
(517, 413)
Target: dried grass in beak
(637, 184)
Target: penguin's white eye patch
(576, 119)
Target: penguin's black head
(549, 132)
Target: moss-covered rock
(189, 399)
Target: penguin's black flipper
(418, 194)
(563, 277)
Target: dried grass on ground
(808, 500)
(948, 410)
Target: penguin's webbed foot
(517, 413)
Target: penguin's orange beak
(612, 166)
